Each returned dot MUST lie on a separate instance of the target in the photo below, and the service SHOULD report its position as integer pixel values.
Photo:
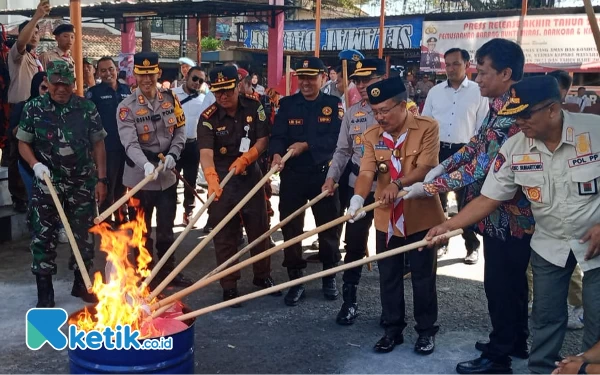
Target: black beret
(64, 28)
(381, 91)
(366, 67)
(145, 63)
(529, 92)
(310, 66)
(223, 78)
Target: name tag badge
(584, 160)
(380, 146)
(245, 144)
(588, 188)
(527, 163)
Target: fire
(121, 302)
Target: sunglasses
(196, 79)
(526, 115)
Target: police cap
(311, 66)
(145, 63)
(223, 78)
(381, 91)
(529, 92)
(64, 28)
(351, 54)
(367, 67)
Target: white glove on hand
(416, 190)
(434, 173)
(169, 162)
(149, 169)
(39, 169)
(356, 203)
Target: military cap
(64, 28)
(366, 67)
(529, 92)
(351, 54)
(311, 66)
(381, 91)
(145, 63)
(186, 61)
(88, 61)
(223, 78)
(60, 71)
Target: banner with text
(339, 34)
(549, 42)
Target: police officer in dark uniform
(232, 133)
(107, 96)
(308, 123)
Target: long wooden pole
(381, 29)
(202, 283)
(75, 13)
(318, 28)
(199, 46)
(345, 81)
(521, 21)
(288, 81)
(72, 242)
(216, 230)
(589, 9)
(317, 275)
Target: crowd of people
(523, 169)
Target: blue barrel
(178, 360)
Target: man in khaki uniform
(555, 163)
(400, 150)
(151, 122)
(65, 37)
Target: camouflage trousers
(77, 196)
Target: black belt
(451, 145)
(309, 168)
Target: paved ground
(265, 336)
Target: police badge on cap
(145, 63)
(223, 78)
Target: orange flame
(120, 298)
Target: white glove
(149, 169)
(39, 169)
(434, 173)
(416, 190)
(169, 162)
(356, 203)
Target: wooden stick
(381, 29)
(345, 79)
(317, 275)
(288, 81)
(265, 235)
(180, 178)
(126, 197)
(202, 283)
(216, 230)
(65, 222)
(317, 28)
(589, 9)
(185, 232)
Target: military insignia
(396, 153)
(146, 62)
(220, 77)
(357, 140)
(171, 129)
(358, 65)
(221, 128)
(375, 92)
(123, 112)
(305, 64)
(207, 124)
(588, 188)
(248, 118)
(382, 167)
(340, 110)
(145, 137)
(327, 111)
(431, 30)
(209, 111)
(583, 144)
(356, 128)
(146, 128)
(160, 96)
(142, 112)
(261, 113)
(569, 134)
(88, 94)
(500, 160)
(534, 194)
(223, 150)
(166, 105)
(171, 121)
(360, 114)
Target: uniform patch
(534, 194)
(588, 188)
(340, 111)
(142, 112)
(356, 128)
(221, 128)
(141, 99)
(261, 113)
(50, 135)
(584, 160)
(166, 105)
(88, 94)
(295, 121)
(160, 96)
(327, 111)
(207, 124)
(324, 119)
(171, 121)
(357, 140)
(123, 112)
(145, 137)
(146, 128)
(360, 114)
(583, 144)
(223, 150)
(527, 163)
(570, 134)
(248, 118)
(209, 112)
(500, 160)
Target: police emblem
(305, 64)
(248, 118)
(534, 194)
(146, 62)
(357, 140)
(166, 105)
(141, 112)
(358, 65)
(145, 137)
(375, 92)
(500, 159)
(123, 112)
(327, 111)
(223, 150)
(220, 77)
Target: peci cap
(381, 91)
(367, 67)
(529, 92)
(311, 66)
(223, 78)
(60, 71)
(145, 63)
(63, 28)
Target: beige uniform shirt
(561, 186)
(421, 147)
(150, 126)
(21, 69)
(54, 55)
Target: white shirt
(193, 109)
(582, 101)
(459, 112)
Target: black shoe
(349, 311)
(522, 353)
(79, 290)
(229, 294)
(45, 291)
(267, 283)
(296, 293)
(181, 281)
(425, 345)
(207, 229)
(483, 366)
(330, 288)
(387, 343)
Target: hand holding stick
(180, 178)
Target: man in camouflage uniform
(61, 135)
(151, 122)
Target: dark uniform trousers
(298, 187)
(189, 162)
(423, 268)
(471, 241)
(115, 165)
(165, 203)
(253, 215)
(505, 283)
(357, 238)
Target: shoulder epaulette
(251, 97)
(208, 112)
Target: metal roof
(161, 8)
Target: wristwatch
(104, 180)
(582, 369)
(398, 183)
